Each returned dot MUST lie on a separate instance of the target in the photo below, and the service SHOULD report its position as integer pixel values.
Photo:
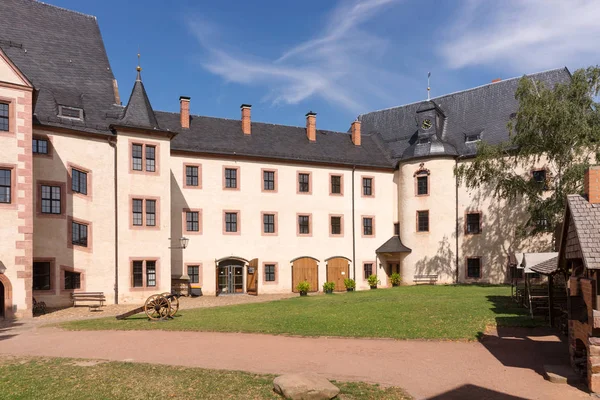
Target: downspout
(114, 145)
(457, 229)
(353, 229)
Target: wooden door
(252, 277)
(337, 270)
(216, 278)
(305, 269)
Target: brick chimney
(591, 184)
(184, 111)
(246, 121)
(311, 126)
(355, 129)
(496, 80)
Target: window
(268, 180)
(473, 267)
(304, 183)
(304, 224)
(191, 176)
(270, 272)
(193, 272)
(136, 156)
(422, 185)
(367, 184)
(192, 221)
(231, 178)
(79, 235)
(78, 181)
(40, 146)
(539, 177)
(231, 222)
(473, 137)
(41, 275)
(137, 212)
(51, 199)
(269, 223)
(70, 112)
(368, 269)
(336, 184)
(368, 226)
(422, 221)
(72, 280)
(473, 223)
(396, 229)
(5, 185)
(151, 273)
(138, 274)
(336, 225)
(4, 117)
(150, 158)
(150, 212)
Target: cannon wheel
(174, 303)
(157, 307)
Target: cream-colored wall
(143, 243)
(212, 244)
(51, 234)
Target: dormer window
(70, 112)
(476, 137)
(423, 140)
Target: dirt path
(497, 368)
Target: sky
(340, 58)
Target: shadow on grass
(473, 392)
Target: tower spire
(139, 68)
(428, 87)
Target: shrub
(328, 286)
(395, 278)
(349, 283)
(303, 286)
(373, 281)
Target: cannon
(157, 307)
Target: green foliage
(395, 278)
(328, 286)
(349, 283)
(303, 286)
(373, 281)
(558, 128)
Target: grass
(410, 312)
(64, 379)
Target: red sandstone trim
(310, 185)
(63, 200)
(90, 238)
(341, 193)
(341, 234)
(8, 296)
(276, 281)
(82, 279)
(480, 222)
(239, 223)
(373, 269)
(50, 140)
(362, 189)
(262, 223)
(144, 286)
(156, 227)
(362, 231)
(156, 146)
(310, 225)
(14, 200)
(184, 182)
(417, 221)
(262, 180)
(184, 221)
(53, 289)
(200, 274)
(12, 116)
(90, 180)
(238, 179)
(480, 267)
(422, 174)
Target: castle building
(100, 196)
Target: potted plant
(303, 287)
(349, 284)
(395, 279)
(328, 287)
(373, 281)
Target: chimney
(311, 126)
(496, 80)
(591, 184)
(246, 121)
(184, 111)
(355, 129)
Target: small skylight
(475, 137)
(70, 112)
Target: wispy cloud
(334, 65)
(524, 35)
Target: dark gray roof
(225, 136)
(547, 267)
(483, 110)
(62, 53)
(393, 245)
(139, 112)
(586, 217)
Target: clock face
(426, 124)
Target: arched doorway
(230, 275)
(305, 269)
(338, 269)
(5, 298)
(1, 300)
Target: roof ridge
(66, 9)
(468, 90)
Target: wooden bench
(89, 297)
(427, 279)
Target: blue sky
(339, 59)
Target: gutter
(456, 204)
(353, 229)
(114, 145)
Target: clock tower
(429, 119)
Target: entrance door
(338, 269)
(1, 300)
(393, 267)
(305, 269)
(252, 277)
(231, 279)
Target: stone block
(562, 373)
(304, 386)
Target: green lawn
(43, 378)
(411, 312)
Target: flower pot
(374, 287)
(349, 289)
(395, 285)
(329, 291)
(303, 293)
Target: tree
(558, 128)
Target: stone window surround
(13, 187)
(362, 188)
(341, 193)
(373, 269)
(276, 281)
(417, 221)
(90, 237)
(53, 289)
(262, 178)
(63, 200)
(200, 275)
(238, 178)
(184, 221)
(12, 116)
(144, 286)
(310, 184)
(82, 279)
(467, 267)
(157, 214)
(144, 143)
(47, 138)
(185, 185)
(238, 222)
(262, 223)
(341, 234)
(362, 226)
(467, 222)
(89, 181)
(310, 223)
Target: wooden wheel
(174, 303)
(157, 307)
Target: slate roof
(225, 136)
(393, 245)
(547, 267)
(531, 260)
(139, 112)
(62, 53)
(482, 110)
(586, 217)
